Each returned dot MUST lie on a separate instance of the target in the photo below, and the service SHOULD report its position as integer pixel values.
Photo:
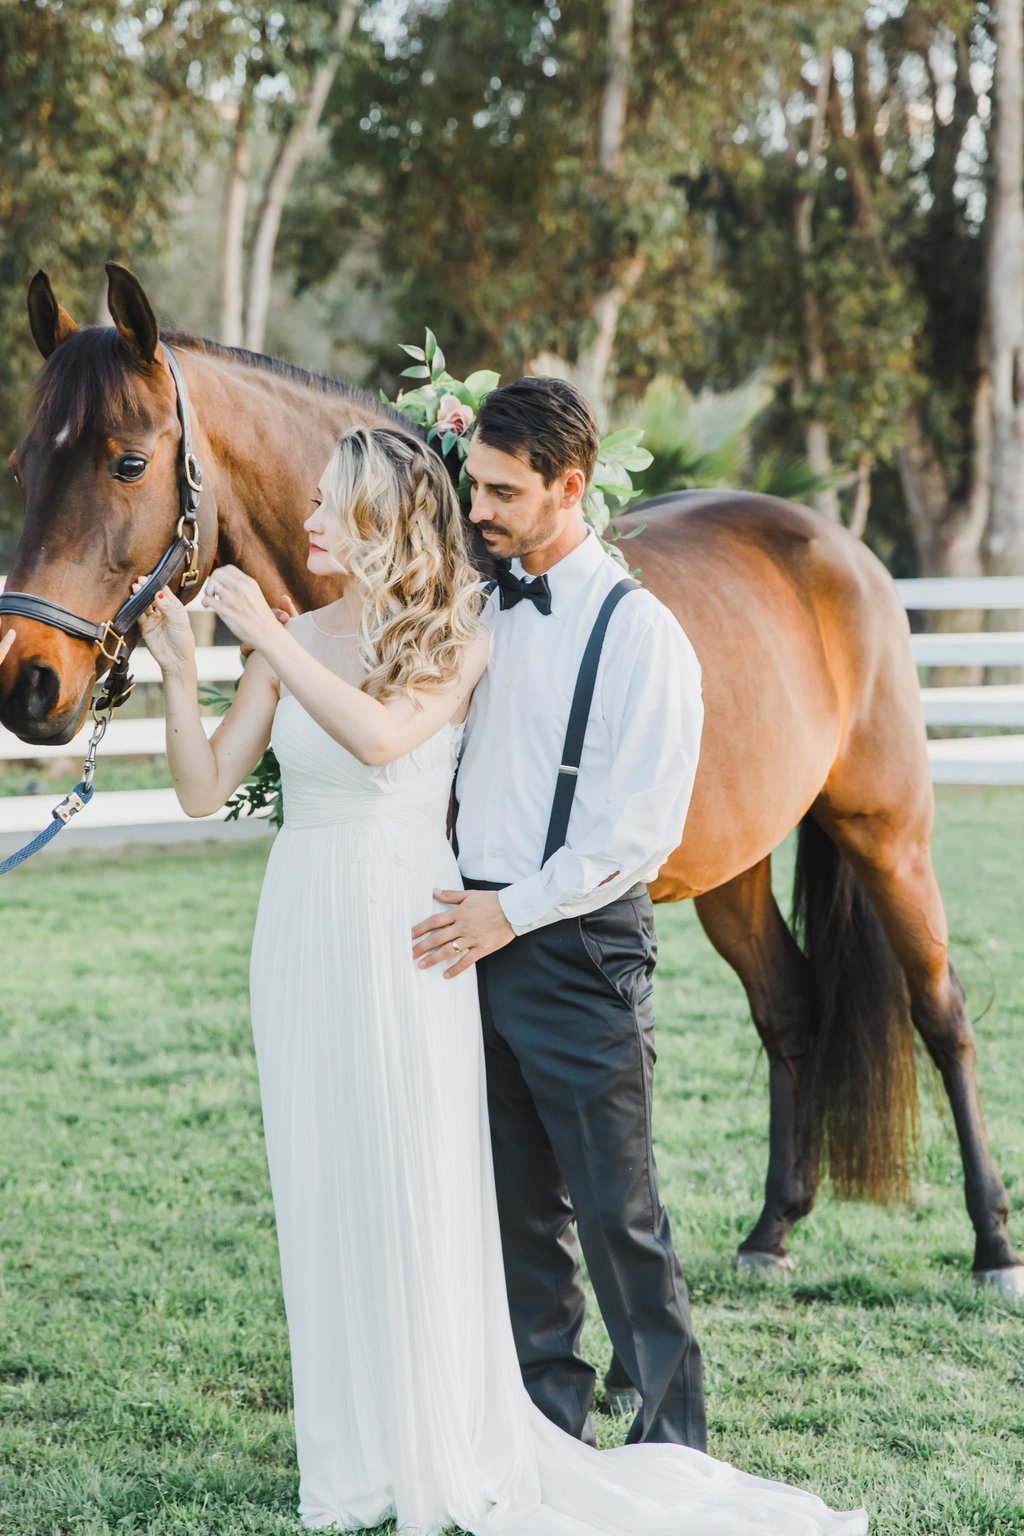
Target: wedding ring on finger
(457, 947)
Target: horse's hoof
(769, 1265)
(623, 1402)
(1008, 1282)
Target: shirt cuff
(527, 904)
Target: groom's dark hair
(544, 421)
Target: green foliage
(261, 793)
(435, 403)
(790, 477)
(707, 441)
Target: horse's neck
(266, 438)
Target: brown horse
(812, 720)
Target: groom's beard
(523, 541)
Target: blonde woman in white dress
(408, 1397)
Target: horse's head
(99, 470)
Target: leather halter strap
(182, 554)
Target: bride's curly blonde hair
(403, 543)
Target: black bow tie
(513, 591)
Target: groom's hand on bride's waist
(472, 925)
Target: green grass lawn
(144, 1381)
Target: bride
(409, 1402)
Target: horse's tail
(862, 1081)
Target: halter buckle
(111, 697)
(190, 575)
(193, 473)
(111, 634)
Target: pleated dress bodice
(324, 785)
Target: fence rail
(992, 759)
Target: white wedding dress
(409, 1402)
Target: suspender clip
(568, 768)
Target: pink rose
(453, 416)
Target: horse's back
(798, 628)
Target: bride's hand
(6, 643)
(238, 600)
(166, 629)
(287, 611)
(283, 615)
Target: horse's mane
(95, 370)
(267, 364)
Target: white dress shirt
(639, 757)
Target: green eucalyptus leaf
(416, 352)
(616, 554)
(595, 509)
(430, 346)
(481, 383)
(419, 372)
(462, 392)
(626, 438)
(611, 476)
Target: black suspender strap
(579, 714)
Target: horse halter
(181, 555)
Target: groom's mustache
(490, 528)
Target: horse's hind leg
(743, 922)
(893, 858)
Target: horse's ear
(131, 312)
(50, 324)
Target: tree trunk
(286, 162)
(595, 361)
(616, 92)
(947, 533)
(819, 455)
(1004, 536)
(858, 520)
(232, 272)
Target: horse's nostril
(41, 689)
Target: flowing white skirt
(408, 1397)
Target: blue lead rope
(76, 801)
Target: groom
(560, 825)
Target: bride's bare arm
(374, 731)
(205, 772)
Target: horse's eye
(130, 467)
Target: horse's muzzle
(26, 708)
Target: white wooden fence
(992, 759)
(971, 759)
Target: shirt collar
(571, 574)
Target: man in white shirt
(556, 856)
